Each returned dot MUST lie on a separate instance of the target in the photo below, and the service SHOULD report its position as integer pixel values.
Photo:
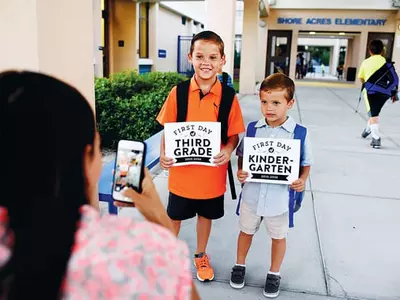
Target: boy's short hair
(208, 36)
(376, 47)
(279, 81)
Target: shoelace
(204, 262)
(237, 273)
(272, 280)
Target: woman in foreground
(53, 242)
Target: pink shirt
(120, 258)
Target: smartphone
(129, 168)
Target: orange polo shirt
(194, 181)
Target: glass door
(386, 38)
(278, 53)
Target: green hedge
(127, 104)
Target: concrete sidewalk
(346, 240)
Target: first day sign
(271, 160)
(192, 143)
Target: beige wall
(19, 45)
(154, 14)
(169, 26)
(221, 18)
(42, 36)
(396, 46)
(249, 47)
(97, 36)
(261, 53)
(293, 54)
(123, 23)
(349, 55)
(193, 9)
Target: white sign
(192, 143)
(271, 160)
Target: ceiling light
(312, 32)
(342, 33)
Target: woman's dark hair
(45, 126)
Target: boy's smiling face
(274, 106)
(206, 59)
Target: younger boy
(199, 190)
(264, 202)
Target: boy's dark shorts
(180, 208)
(376, 103)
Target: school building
(346, 27)
(76, 40)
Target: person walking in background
(373, 69)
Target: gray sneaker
(376, 143)
(271, 288)
(237, 277)
(365, 133)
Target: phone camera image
(128, 169)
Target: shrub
(127, 104)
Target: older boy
(199, 190)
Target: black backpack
(384, 81)
(228, 95)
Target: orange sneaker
(204, 270)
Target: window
(144, 30)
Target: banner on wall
(331, 21)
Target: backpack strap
(224, 79)
(250, 132)
(296, 198)
(182, 99)
(251, 129)
(228, 94)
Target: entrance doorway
(386, 38)
(325, 56)
(278, 53)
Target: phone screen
(128, 168)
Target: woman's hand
(148, 202)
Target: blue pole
(179, 54)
